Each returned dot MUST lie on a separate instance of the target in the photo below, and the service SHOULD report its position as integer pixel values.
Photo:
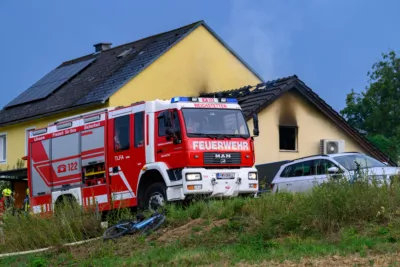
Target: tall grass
(323, 211)
(69, 224)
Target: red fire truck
(143, 155)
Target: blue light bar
(179, 99)
(204, 100)
(231, 100)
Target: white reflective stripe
(123, 195)
(36, 209)
(102, 199)
(123, 178)
(121, 174)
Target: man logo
(222, 156)
(223, 161)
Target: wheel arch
(153, 173)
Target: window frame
(284, 173)
(332, 162)
(296, 138)
(129, 134)
(193, 135)
(27, 138)
(161, 118)
(135, 130)
(5, 147)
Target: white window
(26, 138)
(3, 148)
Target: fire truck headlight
(252, 176)
(193, 176)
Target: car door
(296, 177)
(304, 176)
(322, 171)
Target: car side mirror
(333, 169)
(256, 130)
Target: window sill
(3, 161)
(293, 151)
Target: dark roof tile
(100, 80)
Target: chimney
(102, 46)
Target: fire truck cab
(143, 154)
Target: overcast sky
(329, 44)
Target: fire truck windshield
(215, 122)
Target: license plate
(225, 175)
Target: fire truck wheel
(155, 196)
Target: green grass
(211, 249)
(334, 219)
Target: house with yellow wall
(294, 122)
(186, 61)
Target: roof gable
(254, 99)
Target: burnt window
(121, 133)
(288, 138)
(139, 129)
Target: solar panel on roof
(49, 83)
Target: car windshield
(209, 122)
(350, 161)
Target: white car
(302, 174)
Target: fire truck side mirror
(256, 131)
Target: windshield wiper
(235, 136)
(205, 135)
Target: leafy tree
(377, 109)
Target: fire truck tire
(65, 201)
(155, 196)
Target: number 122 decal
(73, 166)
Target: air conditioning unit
(329, 146)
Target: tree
(377, 109)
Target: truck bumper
(210, 184)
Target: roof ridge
(129, 43)
(294, 77)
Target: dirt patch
(337, 261)
(196, 227)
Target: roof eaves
(26, 119)
(231, 50)
(105, 98)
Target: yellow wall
(199, 63)
(312, 127)
(16, 136)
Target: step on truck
(143, 155)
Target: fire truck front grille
(222, 158)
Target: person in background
(26, 201)
(8, 199)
